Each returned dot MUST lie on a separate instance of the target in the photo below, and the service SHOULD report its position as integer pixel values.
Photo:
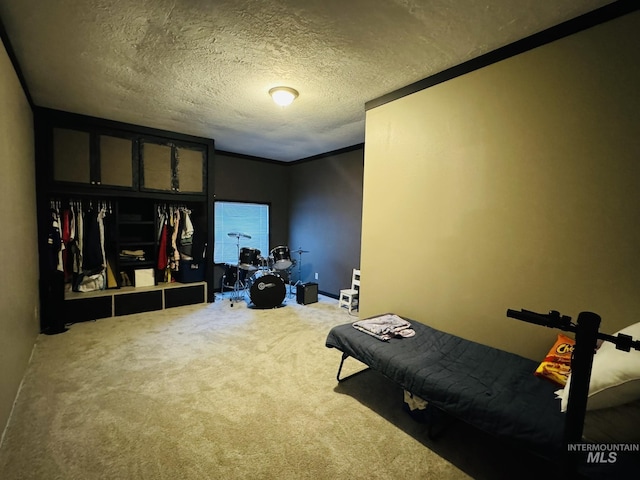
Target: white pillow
(615, 375)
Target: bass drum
(266, 290)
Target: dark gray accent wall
(326, 217)
(248, 179)
(316, 205)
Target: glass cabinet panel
(116, 167)
(156, 167)
(71, 156)
(190, 170)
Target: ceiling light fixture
(283, 96)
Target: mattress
(491, 389)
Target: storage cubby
(136, 245)
(82, 307)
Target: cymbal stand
(238, 286)
(299, 280)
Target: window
(248, 218)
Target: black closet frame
(45, 120)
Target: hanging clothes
(92, 249)
(70, 265)
(77, 241)
(162, 220)
(186, 236)
(100, 218)
(187, 230)
(92, 274)
(54, 242)
(175, 253)
(163, 257)
(67, 258)
(79, 244)
(52, 293)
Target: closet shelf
(137, 263)
(136, 243)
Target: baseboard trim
(15, 400)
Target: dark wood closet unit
(139, 178)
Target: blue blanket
(493, 390)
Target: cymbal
(238, 235)
(299, 251)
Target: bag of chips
(556, 366)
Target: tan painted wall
(19, 321)
(514, 186)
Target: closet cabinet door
(90, 158)
(116, 161)
(167, 167)
(157, 165)
(71, 156)
(190, 170)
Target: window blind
(249, 218)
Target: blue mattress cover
(491, 389)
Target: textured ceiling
(204, 67)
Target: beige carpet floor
(220, 392)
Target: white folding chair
(349, 296)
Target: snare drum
(281, 257)
(249, 258)
(266, 290)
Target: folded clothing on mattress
(385, 327)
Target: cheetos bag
(556, 366)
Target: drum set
(262, 277)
